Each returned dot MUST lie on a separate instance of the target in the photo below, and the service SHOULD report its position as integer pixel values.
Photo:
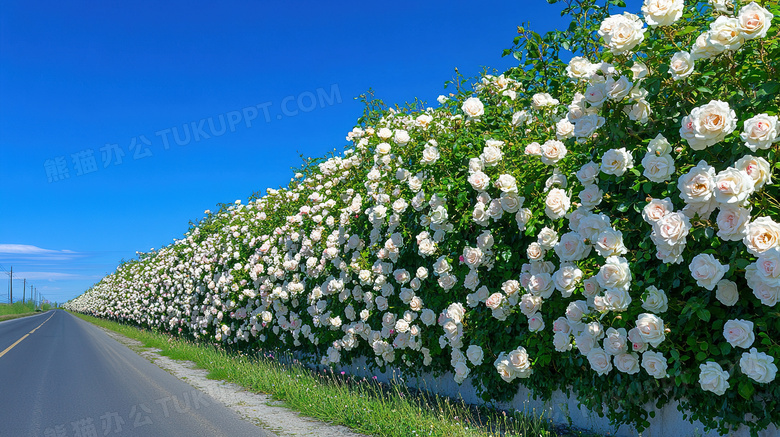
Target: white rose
(506, 183)
(564, 129)
(758, 366)
(654, 300)
(475, 165)
(731, 222)
(637, 341)
(760, 132)
(761, 235)
(622, 33)
(733, 186)
(651, 328)
(591, 287)
(543, 100)
(439, 215)
(584, 342)
(596, 94)
(567, 278)
(428, 317)
(662, 12)
(552, 152)
(503, 368)
(510, 287)
(627, 363)
(599, 361)
(576, 310)
(722, 5)
(590, 196)
(494, 301)
(535, 322)
(617, 161)
(571, 247)
(640, 111)
(518, 118)
(768, 267)
(725, 34)
(656, 209)
(475, 354)
(713, 378)
(658, 168)
(615, 341)
(534, 251)
(655, 364)
(615, 299)
(491, 155)
(681, 65)
(401, 137)
(707, 271)
(703, 48)
(430, 155)
(758, 168)
(511, 202)
(739, 333)
(588, 173)
(540, 284)
(617, 90)
(610, 242)
(562, 341)
(473, 107)
(415, 183)
(580, 68)
(533, 149)
(479, 181)
(557, 203)
(520, 362)
(587, 125)
(727, 293)
(592, 225)
(614, 274)
(698, 184)
(708, 125)
(472, 256)
(754, 21)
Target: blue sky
(87, 84)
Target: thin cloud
(53, 276)
(27, 251)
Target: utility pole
(24, 288)
(11, 301)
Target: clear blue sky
(85, 84)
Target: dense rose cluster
(397, 249)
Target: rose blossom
(580, 68)
(617, 90)
(651, 329)
(758, 169)
(533, 149)
(622, 33)
(758, 366)
(614, 274)
(768, 267)
(567, 278)
(475, 354)
(543, 100)
(761, 235)
(713, 378)
(706, 270)
(473, 107)
(681, 65)
(753, 21)
(725, 34)
(571, 247)
(562, 341)
(615, 341)
(760, 132)
(658, 168)
(655, 300)
(627, 363)
(655, 364)
(535, 322)
(519, 118)
(697, 186)
(491, 155)
(708, 125)
(739, 333)
(588, 173)
(479, 181)
(662, 12)
(557, 203)
(727, 293)
(733, 186)
(599, 361)
(731, 222)
(617, 161)
(610, 242)
(494, 301)
(564, 129)
(552, 152)
(656, 209)
(590, 196)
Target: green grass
(16, 308)
(363, 405)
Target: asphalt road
(67, 378)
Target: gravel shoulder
(257, 408)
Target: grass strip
(5, 317)
(362, 404)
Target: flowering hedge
(606, 226)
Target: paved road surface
(67, 378)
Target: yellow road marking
(25, 336)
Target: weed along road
(63, 377)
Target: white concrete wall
(562, 409)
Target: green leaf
(703, 314)
(746, 389)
